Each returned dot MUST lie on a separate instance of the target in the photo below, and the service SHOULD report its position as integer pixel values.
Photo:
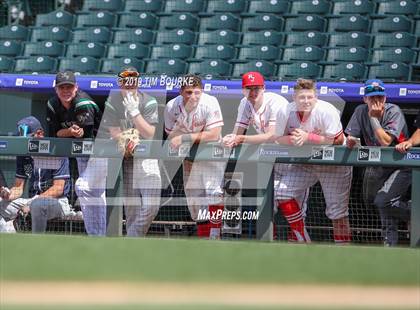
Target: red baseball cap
(252, 78)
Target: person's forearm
(415, 138)
(204, 136)
(257, 139)
(383, 137)
(64, 133)
(15, 193)
(54, 191)
(146, 130)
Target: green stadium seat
(263, 37)
(264, 52)
(349, 39)
(181, 36)
(319, 7)
(115, 65)
(305, 23)
(174, 21)
(143, 6)
(215, 51)
(92, 34)
(397, 7)
(6, 64)
(268, 6)
(299, 69)
(14, 32)
(220, 22)
(47, 48)
(314, 38)
(133, 35)
(347, 54)
(397, 39)
(348, 23)
(138, 20)
(166, 66)
(128, 50)
(177, 51)
(392, 24)
(52, 33)
(96, 50)
(79, 65)
(362, 7)
(192, 6)
(226, 6)
(38, 64)
(394, 54)
(345, 71)
(390, 71)
(55, 18)
(10, 48)
(102, 5)
(303, 53)
(267, 69)
(417, 30)
(262, 22)
(210, 66)
(227, 37)
(96, 19)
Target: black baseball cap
(65, 77)
(27, 126)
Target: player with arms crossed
(195, 117)
(71, 113)
(382, 124)
(313, 121)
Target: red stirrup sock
(203, 229)
(293, 215)
(342, 231)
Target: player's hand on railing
(299, 137)
(403, 147)
(76, 131)
(351, 142)
(176, 142)
(229, 140)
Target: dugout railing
(260, 157)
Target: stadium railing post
(114, 212)
(265, 208)
(415, 209)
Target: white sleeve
(214, 116)
(242, 120)
(332, 123)
(169, 117)
(279, 103)
(281, 120)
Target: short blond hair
(302, 84)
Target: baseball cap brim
(65, 82)
(376, 93)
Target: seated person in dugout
(48, 181)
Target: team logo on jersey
(369, 154)
(39, 146)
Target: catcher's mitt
(127, 141)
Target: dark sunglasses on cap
(373, 88)
(126, 74)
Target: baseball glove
(127, 141)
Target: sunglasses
(126, 74)
(373, 88)
(23, 131)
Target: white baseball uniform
(323, 120)
(203, 181)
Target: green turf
(63, 258)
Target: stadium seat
(52, 33)
(227, 37)
(220, 22)
(314, 38)
(37, 64)
(299, 69)
(180, 36)
(305, 23)
(96, 19)
(96, 50)
(81, 65)
(268, 6)
(264, 52)
(262, 22)
(134, 35)
(128, 50)
(55, 18)
(176, 51)
(347, 54)
(362, 7)
(397, 7)
(417, 30)
(102, 5)
(92, 34)
(397, 39)
(138, 20)
(319, 7)
(176, 20)
(349, 39)
(14, 32)
(47, 48)
(345, 71)
(214, 51)
(263, 37)
(115, 65)
(10, 48)
(389, 71)
(143, 6)
(192, 6)
(226, 6)
(6, 64)
(303, 53)
(210, 66)
(394, 54)
(166, 66)
(347, 23)
(267, 69)
(392, 24)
